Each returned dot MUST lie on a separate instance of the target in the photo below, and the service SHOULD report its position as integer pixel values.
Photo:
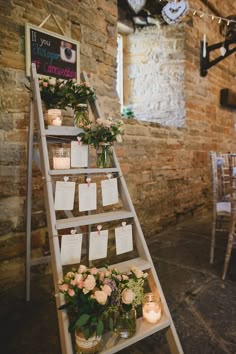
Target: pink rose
(80, 284)
(127, 296)
(45, 84)
(107, 289)
(89, 284)
(71, 292)
(64, 287)
(101, 297)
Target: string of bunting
(201, 13)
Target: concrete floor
(203, 307)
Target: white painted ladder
(111, 343)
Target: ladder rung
(62, 131)
(125, 266)
(83, 171)
(93, 219)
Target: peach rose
(127, 296)
(64, 287)
(93, 270)
(101, 297)
(78, 278)
(82, 269)
(138, 273)
(89, 284)
(71, 292)
(107, 289)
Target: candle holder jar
(53, 117)
(152, 308)
(61, 158)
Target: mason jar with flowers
(87, 293)
(131, 293)
(102, 134)
(57, 94)
(101, 299)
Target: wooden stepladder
(141, 258)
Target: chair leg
(228, 250)
(213, 237)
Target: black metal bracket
(206, 63)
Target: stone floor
(203, 307)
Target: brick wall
(166, 168)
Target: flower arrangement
(57, 93)
(103, 131)
(92, 295)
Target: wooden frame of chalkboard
(54, 55)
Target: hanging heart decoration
(136, 5)
(174, 11)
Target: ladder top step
(83, 171)
(62, 130)
(93, 219)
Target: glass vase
(104, 155)
(81, 115)
(125, 323)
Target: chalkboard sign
(54, 55)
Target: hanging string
(203, 14)
(89, 232)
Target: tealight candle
(152, 308)
(61, 159)
(54, 117)
(57, 121)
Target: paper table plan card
(98, 244)
(79, 154)
(109, 191)
(71, 249)
(64, 195)
(87, 196)
(124, 239)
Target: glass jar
(152, 308)
(125, 323)
(81, 115)
(54, 117)
(61, 158)
(104, 155)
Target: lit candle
(61, 163)
(57, 121)
(61, 159)
(152, 308)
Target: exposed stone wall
(154, 74)
(166, 168)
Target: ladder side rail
(66, 343)
(29, 201)
(97, 112)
